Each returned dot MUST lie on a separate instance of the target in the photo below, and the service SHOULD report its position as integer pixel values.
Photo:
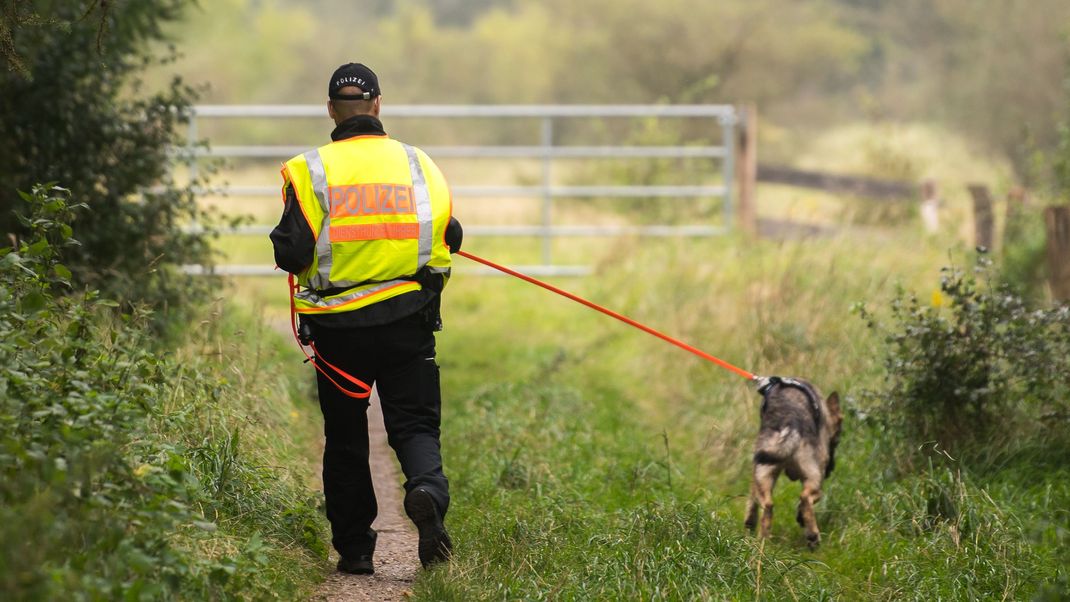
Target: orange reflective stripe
(354, 232)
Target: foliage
(122, 473)
(240, 30)
(19, 14)
(993, 75)
(1023, 254)
(1057, 161)
(503, 51)
(78, 116)
(973, 70)
(962, 369)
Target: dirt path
(395, 550)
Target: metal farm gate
(719, 122)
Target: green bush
(74, 111)
(118, 476)
(1022, 261)
(973, 363)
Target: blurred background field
(901, 91)
(914, 152)
(588, 461)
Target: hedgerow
(74, 109)
(122, 469)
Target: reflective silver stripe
(311, 297)
(344, 283)
(322, 278)
(423, 206)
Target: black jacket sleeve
(292, 238)
(454, 235)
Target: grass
(142, 474)
(139, 464)
(599, 463)
(591, 461)
(239, 416)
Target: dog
(798, 436)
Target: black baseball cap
(353, 74)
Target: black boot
(435, 545)
(361, 565)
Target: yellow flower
(142, 470)
(294, 415)
(938, 299)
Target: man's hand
(454, 235)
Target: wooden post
(983, 223)
(747, 169)
(930, 206)
(1057, 223)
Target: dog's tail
(773, 447)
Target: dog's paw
(813, 540)
(749, 525)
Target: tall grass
(131, 471)
(591, 461)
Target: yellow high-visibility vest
(378, 209)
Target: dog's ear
(833, 403)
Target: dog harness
(767, 384)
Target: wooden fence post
(983, 222)
(1057, 224)
(747, 169)
(930, 206)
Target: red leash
(611, 313)
(316, 358)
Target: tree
(19, 14)
(993, 71)
(72, 112)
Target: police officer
(367, 230)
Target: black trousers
(400, 359)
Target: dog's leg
(750, 519)
(811, 493)
(765, 476)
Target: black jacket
(295, 247)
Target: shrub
(102, 493)
(973, 362)
(74, 112)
